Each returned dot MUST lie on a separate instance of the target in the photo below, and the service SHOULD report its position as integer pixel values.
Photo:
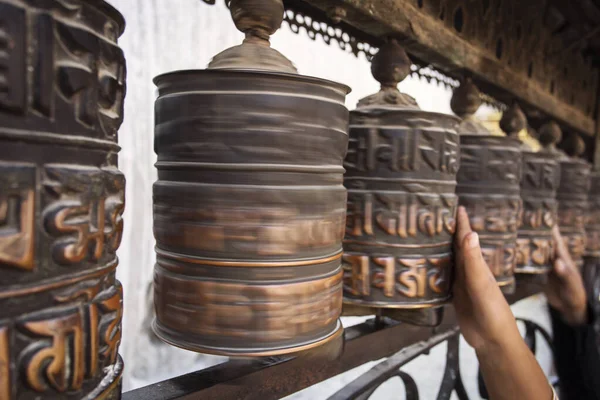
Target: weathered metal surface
(401, 178)
(510, 51)
(488, 186)
(535, 246)
(539, 182)
(572, 196)
(249, 208)
(592, 226)
(62, 84)
(275, 378)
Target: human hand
(565, 290)
(484, 317)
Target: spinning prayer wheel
(488, 185)
(62, 85)
(592, 226)
(539, 181)
(249, 207)
(401, 177)
(573, 190)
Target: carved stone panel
(535, 246)
(573, 205)
(592, 226)
(488, 187)
(249, 211)
(62, 84)
(401, 177)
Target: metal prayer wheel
(572, 194)
(539, 182)
(488, 185)
(62, 84)
(401, 177)
(591, 259)
(249, 207)
(592, 226)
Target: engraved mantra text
(412, 278)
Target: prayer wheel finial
(258, 20)
(466, 99)
(389, 67)
(513, 120)
(465, 102)
(574, 145)
(550, 134)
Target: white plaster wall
(166, 35)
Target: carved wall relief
(488, 186)
(249, 208)
(401, 176)
(62, 84)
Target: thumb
(477, 271)
(567, 274)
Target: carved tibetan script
(402, 150)
(17, 215)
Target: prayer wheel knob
(466, 99)
(549, 135)
(574, 145)
(513, 120)
(258, 19)
(390, 65)
(465, 102)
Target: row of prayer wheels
(276, 209)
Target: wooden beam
(428, 39)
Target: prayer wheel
(591, 259)
(62, 85)
(592, 226)
(539, 182)
(401, 177)
(488, 185)
(249, 207)
(572, 194)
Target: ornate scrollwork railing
(364, 386)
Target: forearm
(510, 371)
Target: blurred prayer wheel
(572, 194)
(488, 185)
(62, 85)
(249, 207)
(591, 258)
(592, 227)
(539, 182)
(401, 177)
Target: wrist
(576, 315)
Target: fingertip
(560, 267)
(471, 241)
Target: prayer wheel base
(174, 339)
(533, 270)
(508, 286)
(110, 387)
